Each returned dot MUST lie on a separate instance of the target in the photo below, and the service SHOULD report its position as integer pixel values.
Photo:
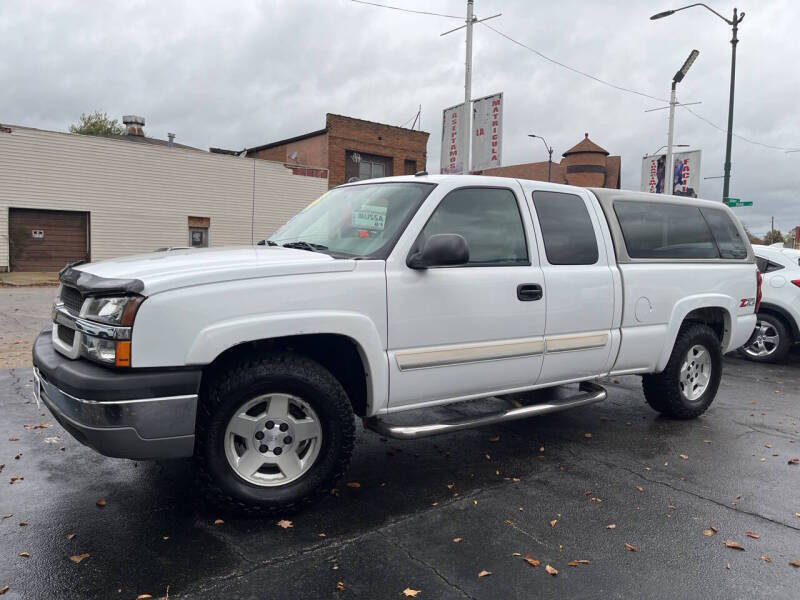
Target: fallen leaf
(13, 439)
(766, 558)
(611, 526)
(488, 457)
(541, 448)
(684, 457)
(144, 597)
(767, 445)
(484, 573)
(79, 557)
(23, 524)
(640, 488)
(100, 502)
(219, 522)
(630, 547)
(70, 536)
(353, 484)
(516, 554)
(551, 570)
(409, 593)
(572, 563)
(794, 461)
(553, 522)
(531, 561)
(734, 545)
(728, 566)
(39, 426)
(25, 554)
(457, 540)
(7, 516)
(3, 590)
(583, 561)
(709, 532)
(795, 563)
(284, 524)
(17, 456)
(495, 438)
(587, 435)
(340, 586)
(751, 534)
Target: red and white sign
(453, 137)
(487, 132)
(684, 176)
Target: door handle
(528, 292)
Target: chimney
(134, 125)
(171, 137)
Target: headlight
(112, 310)
(99, 349)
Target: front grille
(71, 298)
(66, 335)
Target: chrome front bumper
(137, 429)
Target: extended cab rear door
(579, 287)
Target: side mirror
(440, 250)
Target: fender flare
(213, 340)
(682, 308)
(768, 307)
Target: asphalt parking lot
(431, 515)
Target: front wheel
(689, 383)
(273, 433)
(770, 341)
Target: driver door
(456, 332)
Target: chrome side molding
(588, 393)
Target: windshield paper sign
(370, 217)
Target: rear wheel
(770, 341)
(273, 433)
(689, 383)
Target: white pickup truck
(392, 295)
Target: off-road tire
(784, 340)
(662, 390)
(234, 385)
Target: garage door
(46, 240)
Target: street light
(737, 18)
(662, 147)
(549, 152)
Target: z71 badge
(745, 302)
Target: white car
(779, 315)
(393, 295)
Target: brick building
(585, 164)
(350, 148)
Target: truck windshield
(358, 220)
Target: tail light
(796, 282)
(758, 289)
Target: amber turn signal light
(123, 354)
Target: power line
(574, 70)
(408, 10)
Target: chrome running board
(589, 393)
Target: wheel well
(715, 317)
(780, 313)
(337, 353)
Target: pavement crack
(428, 565)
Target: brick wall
(397, 143)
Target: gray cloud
(237, 74)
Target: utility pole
(668, 166)
(468, 89)
(726, 186)
(772, 225)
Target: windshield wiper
(271, 243)
(301, 245)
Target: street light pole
(549, 152)
(669, 168)
(468, 89)
(737, 18)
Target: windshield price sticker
(370, 217)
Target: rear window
(653, 230)
(567, 230)
(726, 234)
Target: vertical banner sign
(487, 132)
(453, 137)
(684, 174)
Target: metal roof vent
(134, 125)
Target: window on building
(488, 218)
(726, 234)
(360, 166)
(655, 230)
(198, 231)
(567, 230)
(409, 166)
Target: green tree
(97, 123)
(773, 237)
(753, 238)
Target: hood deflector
(88, 284)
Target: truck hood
(161, 271)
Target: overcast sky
(236, 74)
